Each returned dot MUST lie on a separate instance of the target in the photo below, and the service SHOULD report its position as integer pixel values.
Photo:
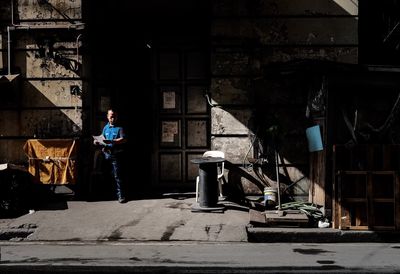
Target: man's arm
(116, 141)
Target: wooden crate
(366, 188)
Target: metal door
(182, 115)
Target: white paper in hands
(99, 140)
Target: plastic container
(314, 139)
(270, 196)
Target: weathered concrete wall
(230, 121)
(235, 148)
(231, 91)
(10, 150)
(49, 10)
(299, 31)
(285, 7)
(247, 37)
(49, 88)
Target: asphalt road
(198, 257)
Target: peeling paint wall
(49, 91)
(248, 36)
(49, 10)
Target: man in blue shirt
(114, 137)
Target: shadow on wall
(55, 115)
(279, 123)
(294, 97)
(280, 117)
(48, 50)
(49, 98)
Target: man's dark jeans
(115, 161)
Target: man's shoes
(121, 200)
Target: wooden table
(52, 161)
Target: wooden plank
(257, 218)
(344, 214)
(317, 178)
(358, 217)
(358, 227)
(383, 200)
(292, 218)
(335, 204)
(382, 172)
(353, 200)
(387, 157)
(317, 193)
(339, 202)
(345, 218)
(381, 227)
(354, 172)
(397, 202)
(369, 204)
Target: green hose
(310, 209)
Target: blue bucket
(314, 138)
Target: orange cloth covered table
(52, 161)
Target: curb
(324, 235)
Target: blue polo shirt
(111, 132)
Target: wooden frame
(366, 199)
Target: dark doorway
(124, 39)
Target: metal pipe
(12, 12)
(19, 26)
(77, 47)
(9, 50)
(390, 33)
(28, 27)
(12, 15)
(277, 179)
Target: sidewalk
(162, 219)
